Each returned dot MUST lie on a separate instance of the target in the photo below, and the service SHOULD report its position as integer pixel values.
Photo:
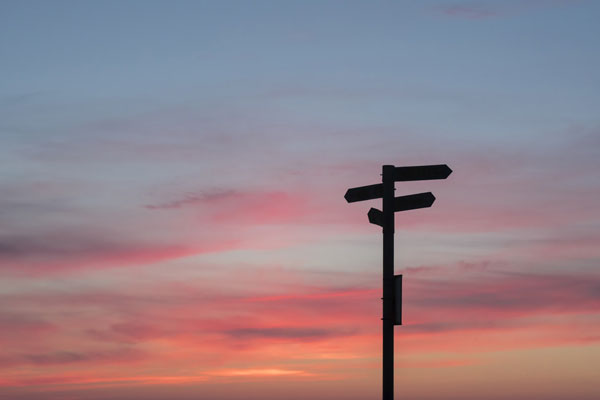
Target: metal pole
(388, 282)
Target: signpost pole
(392, 286)
(388, 282)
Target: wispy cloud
(41, 254)
(304, 333)
(258, 372)
(197, 199)
(117, 356)
(159, 324)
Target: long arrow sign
(413, 201)
(364, 193)
(403, 203)
(422, 172)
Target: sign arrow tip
(448, 170)
(432, 197)
(347, 195)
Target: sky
(172, 220)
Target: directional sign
(375, 217)
(392, 284)
(422, 172)
(403, 203)
(364, 193)
(413, 201)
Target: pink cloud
(243, 207)
(195, 199)
(518, 198)
(17, 327)
(92, 380)
(70, 251)
(512, 293)
(62, 357)
(163, 328)
(254, 372)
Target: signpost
(392, 285)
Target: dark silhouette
(392, 284)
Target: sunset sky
(172, 220)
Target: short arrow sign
(413, 201)
(364, 193)
(375, 217)
(422, 172)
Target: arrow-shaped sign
(364, 193)
(375, 217)
(414, 173)
(403, 203)
(422, 172)
(413, 201)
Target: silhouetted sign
(422, 172)
(392, 284)
(413, 201)
(375, 217)
(403, 203)
(414, 173)
(364, 193)
(397, 299)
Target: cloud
(95, 357)
(245, 207)
(36, 254)
(17, 326)
(87, 380)
(117, 356)
(258, 372)
(493, 303)
(510, 292)
(195, 199)
(159, 325)
(436, 302)
(284, 333)
(326, 294)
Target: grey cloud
(285, 333)
(194, 198)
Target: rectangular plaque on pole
(397, 299)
